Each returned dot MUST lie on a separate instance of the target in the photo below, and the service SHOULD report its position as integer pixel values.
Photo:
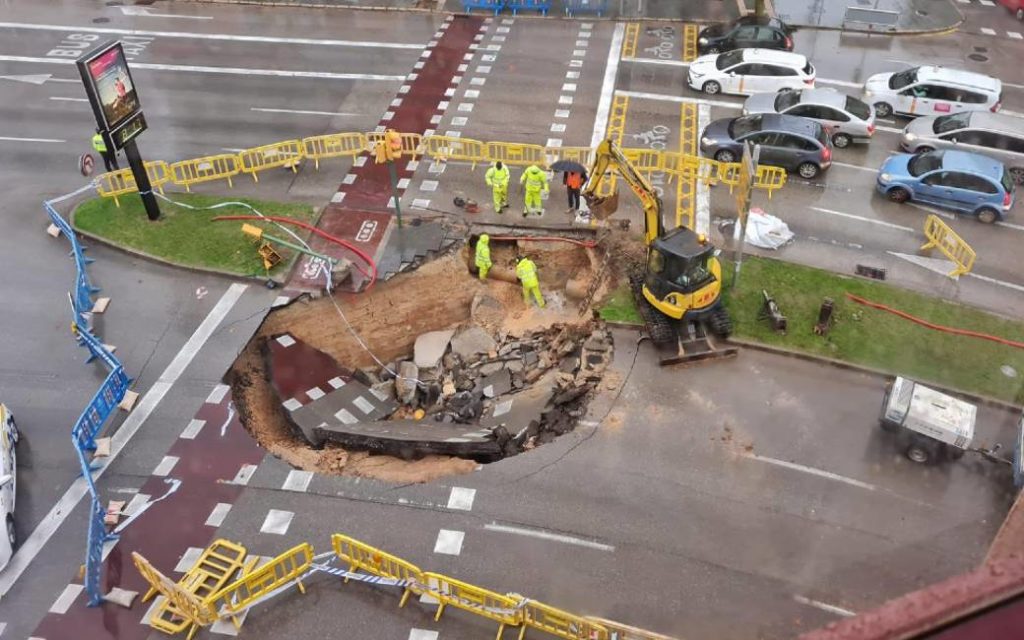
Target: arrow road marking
(863, 219)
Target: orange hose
(937, 327)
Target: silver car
(846, 118)
(996, 135)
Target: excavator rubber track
(658, 326)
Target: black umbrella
(569, 165)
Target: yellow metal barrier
(287, 153)
(560, 623)
(686, 183)
(942, 237)
(220, 167)
(514, 154)
(117, 183)
(288, 567)
(620, 631)
(333, 145)
(193, 611)
(483, 602)
(582, 155)
(645, 160)
(443, 148)
(361, 556)
(412, 143)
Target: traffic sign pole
(744, 191)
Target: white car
(8, 483)
(932, 91)
(747, 71)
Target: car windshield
(744, 126)
(857, 108)
(786, 99)
(925, 162)
(729, 59)
(952, 122)
(902, 79)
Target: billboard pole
(131, 151)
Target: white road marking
(831, 608)
(461, 498)
(1001, 283)
(63, 99)
(545, 535)
(888, 129)
(217, 515)
(611, 70)
(1015, 35)
(841, 83)
(703, 222)
(36, 78)
(244, 474)
(1012, 113)
(188, 559)
(217, 394)
(277, 522)
(210, 36)
(942, 214)
(987, 3)
(135, 503)
(10, 139)
(988, 32)
(853, 166)
(301, 111)
(166, 466)
(1010, 225)
(940, 266)
(679, 99)
(297, 480)
(144, 12)
(157, 603)
(63, 602)
(863, 219)
(422, 634)
(234, 71)
(813, 471)
(449, 542)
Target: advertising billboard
(110, 88)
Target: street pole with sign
(115, 105)
(744, 191)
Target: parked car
(930, 90)
(846, 118)
(994, 134)
(1016, 7)
(8, 481)
(746, 71)
(966, 182)
(744, 33)
(795, 144)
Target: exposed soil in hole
(439, 295)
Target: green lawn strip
(866, 336)
(620, 307)
(191, 238)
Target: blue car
(965, 182)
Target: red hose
(323, 234)
(937, 327)
(589, 244)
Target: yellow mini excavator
(679, 293)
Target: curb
(164, 261)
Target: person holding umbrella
(574, 176)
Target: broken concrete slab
(430, 348)
(491, 368)
(405, 384)
(472, 342)
(497, 384)
(410, 439)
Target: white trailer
(931, 426)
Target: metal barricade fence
(488, 5)
(645, 160)
(442, 148)
(529, 5)
(412, 143)
(219, 167)
(560, 623)
(572, 7)
(361, 556)
(619, 631)
(515, 154)
(287, 153)
(241, 594)
(582, 155)
(500, 608)
(195, 612)
(333, 145)
(942, 237)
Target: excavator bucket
(602, 207)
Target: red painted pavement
(299, 367)
(355, 203)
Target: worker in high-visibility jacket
(526, 271)
(535, 180)
(109, 160)
(483, 255)
(497, 178)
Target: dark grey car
(793, 143)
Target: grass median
(875, 338)
(189, 237)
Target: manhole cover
(100, 20)
(977, 57)
(1008, 371)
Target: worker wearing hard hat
(483, 255)
(497, 178)
(535, 180)
(526, 271)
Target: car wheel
(15, 434)
(841, 140)
(725, 156)
(898, 194)
(883, 109)
(712, 50)
(711, 87)
(12, 535)
(1018, 174)
(808, 170)
(988, 216)
(924, 149)
(918, 453)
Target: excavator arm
(609, 156)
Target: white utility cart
(931, 426)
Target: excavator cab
(683, 277)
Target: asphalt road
(703, 498)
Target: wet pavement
(914, 16)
